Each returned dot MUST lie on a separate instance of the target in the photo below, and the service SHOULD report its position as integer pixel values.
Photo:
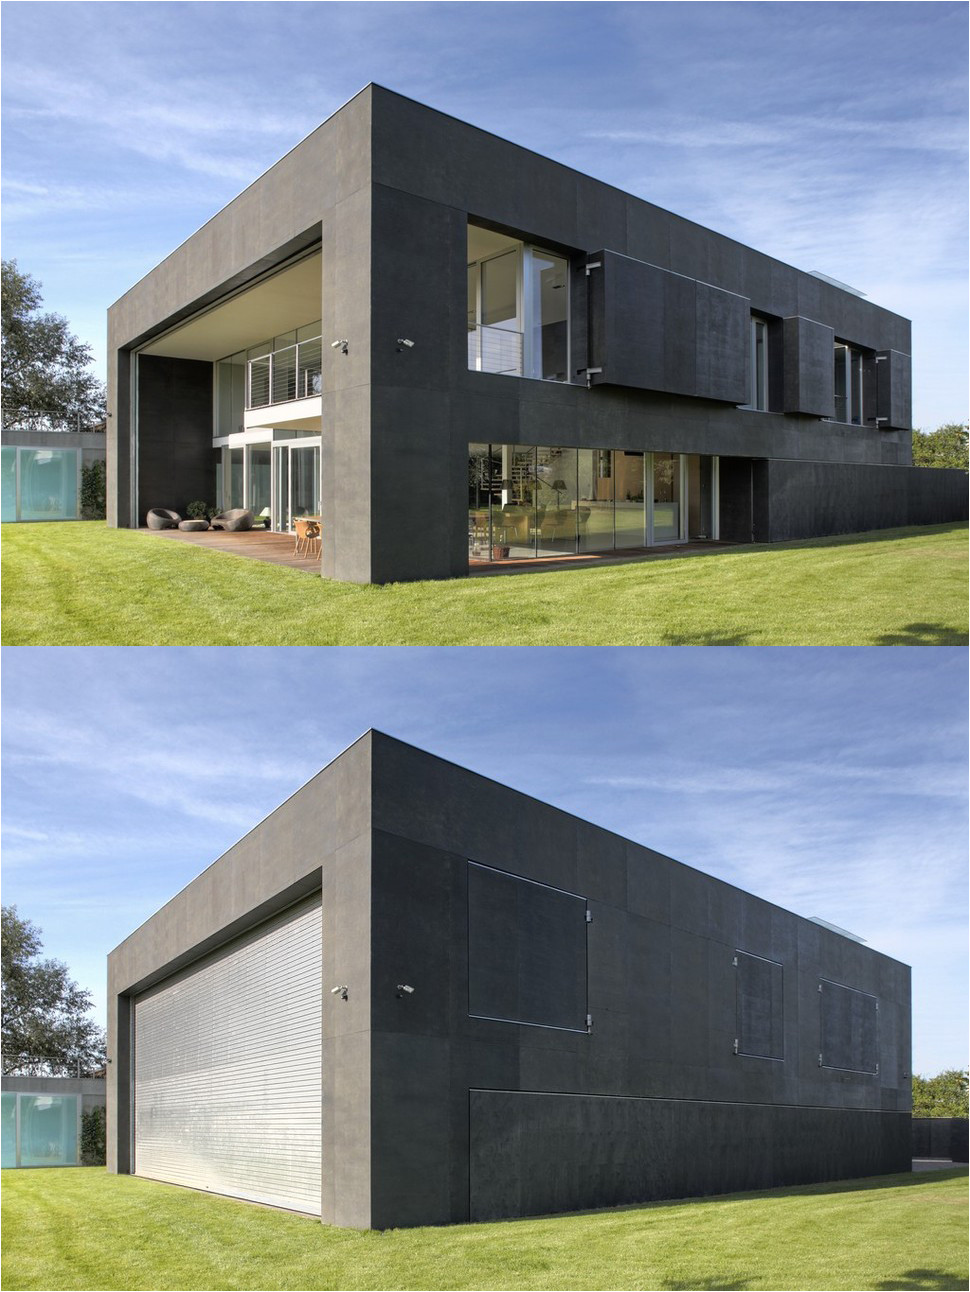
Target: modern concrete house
(452, 350)
(414, 996)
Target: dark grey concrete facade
(940, 1137)
(658, 351)
(591, 1022)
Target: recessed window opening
(848, 384)
(518, 307)
(759, 365)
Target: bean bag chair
(162, 518)
(238, 518)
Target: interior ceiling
(281, 303)
(483, 242)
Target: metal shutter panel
(227, 1068)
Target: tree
(93, 489)
(45, 383)
(944, 447)
(944, 1095)
(45, 1028)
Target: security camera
(339, 991)
(340, 345)
(404, 990)
(403, 340)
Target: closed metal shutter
(227, 1064)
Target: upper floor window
(518, 308)
(848, 384)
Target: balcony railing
(293, 372)
(495, 349)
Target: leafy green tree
(93, 1137)
(944, 1095)
(944, 447)
(46, 382)
(46, 1030)
(93, 491)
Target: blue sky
(832, 782)
(832, 136)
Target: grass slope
(82, 584)
(82, 1228)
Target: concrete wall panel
(534, 1154)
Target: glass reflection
(628, 471)
(666, 497)
(556, 495)
(595, 506)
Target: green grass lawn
(83, 584)
(82, 1228)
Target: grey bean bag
(238, 518)
(162, 518)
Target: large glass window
(40, 484)
(48, 1130)
(555, 501)
(518, 308)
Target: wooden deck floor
(255, 544)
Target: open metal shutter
(227, 1064)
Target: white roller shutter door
(227, 1067)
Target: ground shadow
(924, 635)
(706, 639)
(931, 1280)
(862, 1184)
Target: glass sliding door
(296, 483)
(595, 503)
(260, 480)
(557, 510)
(629, 475)
(666, 510)
(304, 480)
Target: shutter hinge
(589, 916)
(589, 1022)
(877, 1007)
(736, 1045)
(820, 1060)
(820, 987)
(877, 1069)
(735, 963)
